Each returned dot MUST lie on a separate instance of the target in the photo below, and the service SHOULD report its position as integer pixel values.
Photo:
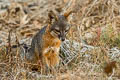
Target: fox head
(59, 27)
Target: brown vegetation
(90, 53)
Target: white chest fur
(52, 46)
(55, 49)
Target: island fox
(46, 43)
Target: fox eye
(57, 30)
(66, 30)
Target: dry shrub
(80, 61)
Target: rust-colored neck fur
(49, 40)
(51, 46)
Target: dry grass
(93, 41)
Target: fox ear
(67, 14)
(52, 16)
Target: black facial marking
(60, 27)
(57, 30)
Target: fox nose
(63, 39)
